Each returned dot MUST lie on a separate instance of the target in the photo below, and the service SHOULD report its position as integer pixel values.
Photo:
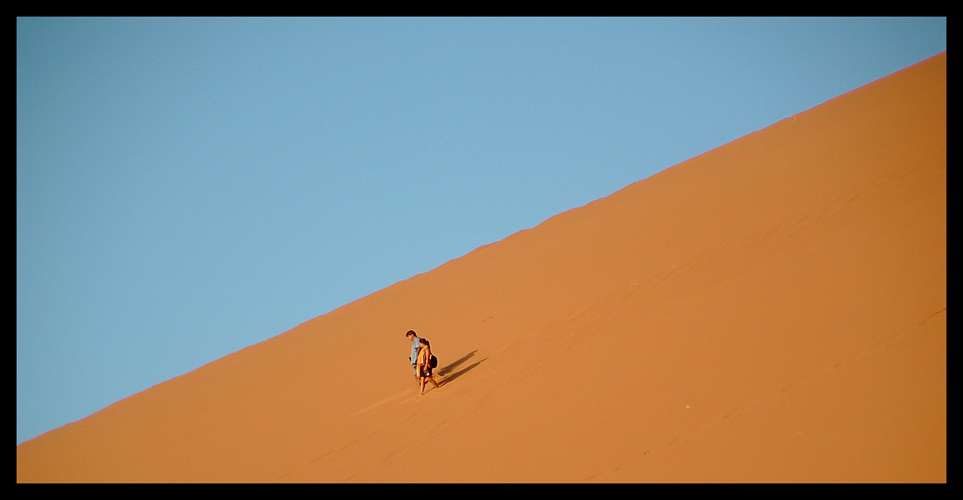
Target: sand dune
(773, 310)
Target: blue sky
(189, 187)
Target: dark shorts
(425, 371)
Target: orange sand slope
(773, 310)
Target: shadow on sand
(449, 373)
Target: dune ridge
(773, 310)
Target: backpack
(433, 361)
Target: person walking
(415, 347)
(424, 366)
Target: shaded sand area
(773, 310)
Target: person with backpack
(426, 362)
